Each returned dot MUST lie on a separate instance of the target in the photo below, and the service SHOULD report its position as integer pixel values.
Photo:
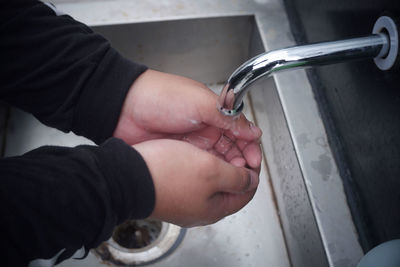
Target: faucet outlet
(382, 45)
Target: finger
(252, 154)
(235, 180)
(228, 203)
(245, 129)
(233, 153)
(223, 145)
(241, 144)
(239, 126)
(230, 135)
(238, 162)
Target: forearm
(59, 70)
(55, 199)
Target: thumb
(239, 126)
(236, 187)
(233, 179)
(225, 204)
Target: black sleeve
(60, 71)
(56, 199)
(53, 200)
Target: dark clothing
(56, 198)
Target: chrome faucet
(382, 45)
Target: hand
(160, 105)
(194, 187)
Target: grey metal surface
(207, 50)
(361, 114)
(316, 173)
(323, 183)
(25, 133)
(301, 231)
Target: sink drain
(140, 242)
(137, 234)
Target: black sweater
(56, 200)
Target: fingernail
(254, 180)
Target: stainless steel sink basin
(299, 216)
(207, 50)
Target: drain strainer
(140, 242)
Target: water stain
(303, 140)
(321, 141)
(323, 166)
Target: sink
(207, 50)
(298, 217)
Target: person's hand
(160, 105)
(193, 187)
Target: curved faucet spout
(231, 98)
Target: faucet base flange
(388, 26)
